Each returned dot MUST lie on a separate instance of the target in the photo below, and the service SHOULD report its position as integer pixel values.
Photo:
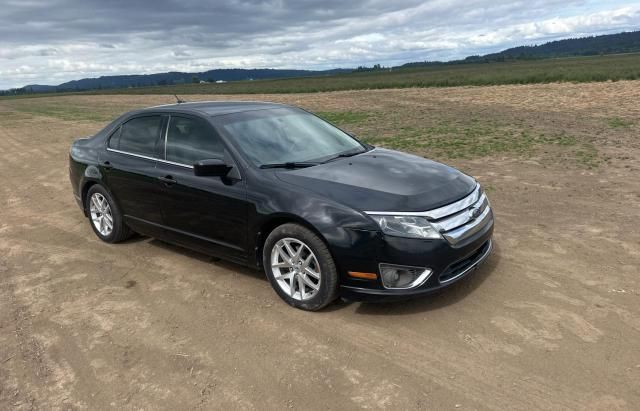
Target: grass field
(416, 125)
(444, 138)
(574, 69)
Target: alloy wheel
(101, 216)
(296, 269)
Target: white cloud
(93, 39)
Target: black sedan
(275, 187)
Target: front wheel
(300, 267)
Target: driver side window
(190, 140)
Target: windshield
(286, 135)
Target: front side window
(285, 135)
(190, 140)
(138, 136)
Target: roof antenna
(178, 99)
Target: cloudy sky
(52, 41)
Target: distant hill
(627, 42)
(173, 78)
(611, 67)
(37, 88)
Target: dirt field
(552, 321)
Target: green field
(570, 69)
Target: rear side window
(138, 136)
(192, 139)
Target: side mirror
(214, 167)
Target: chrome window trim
(149, 158)
(437, 213)
(166, 133)
(112, 134)
(166, 139)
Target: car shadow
(441, 299)
(238, 268)
(135, 238)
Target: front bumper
(437, 281)
(449, 259)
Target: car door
(130, 173)
(207, 213)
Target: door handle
(107, 165)
(168, 180)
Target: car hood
(383, 180)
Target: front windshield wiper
(290, 164)
(348, 153)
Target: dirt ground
(551, 321)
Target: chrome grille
(462, 219)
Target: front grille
(462, 219)
(459, 268)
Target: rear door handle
(168, 180)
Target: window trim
(118, 131)
(227, 151)
(115, 133)
(166, 134)
(211, 128)
(148, 158)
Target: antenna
(178, 99)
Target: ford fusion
(276, 188)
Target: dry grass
(550, 123)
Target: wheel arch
(83, 194)
(84, 190)
(275, 221)
(90, 177)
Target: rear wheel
(105, 217)
(300, 267)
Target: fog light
(403, 277)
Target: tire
(100, 205)
(283, 269)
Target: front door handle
(167, 180)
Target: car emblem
(474, 213)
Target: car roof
(215, 108)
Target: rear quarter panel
(83, 165)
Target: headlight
(406, 226)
